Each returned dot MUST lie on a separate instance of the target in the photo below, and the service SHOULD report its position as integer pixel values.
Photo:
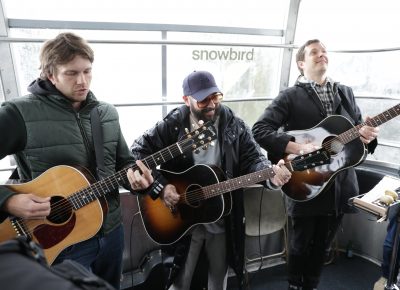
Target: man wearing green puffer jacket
(51, 126)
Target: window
(251, 13)
(142, 76)
(343, 24)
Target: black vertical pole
(391, 285)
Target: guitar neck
(380, 119)
(101, 188)
(237, 182)
(300, 163)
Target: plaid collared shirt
(326, 92)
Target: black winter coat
(299, 108)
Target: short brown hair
(61, 50)
(301, 52)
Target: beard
(201, 114)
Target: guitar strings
(63, 207)
(204, 193)
(60, 208)
(353, 133)
(198, 195)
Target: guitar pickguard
(50, 235)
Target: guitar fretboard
(236, 183)
(302, 162)
(193, 140)
(353, 133)
(112, 182)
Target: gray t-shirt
(210, 156)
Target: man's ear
(300, 65)
(51, 78)
(186, 99)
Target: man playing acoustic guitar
(315, 216)
(235, 152)
(52, 127)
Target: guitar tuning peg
(205, 147)
(197, 151)
(187, 130)
(201, 122)
(212, 143)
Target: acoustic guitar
(337, 135)
(77, 206)
(205, 197)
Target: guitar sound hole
(335, 146)
(194, 195)
(61, 210)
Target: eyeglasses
(215, 98)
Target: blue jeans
(101, 254)
(388, 248)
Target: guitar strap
(97, 134)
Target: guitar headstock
(199, 138)
(310, 160)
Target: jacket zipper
(85, 138)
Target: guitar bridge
(19, 227)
